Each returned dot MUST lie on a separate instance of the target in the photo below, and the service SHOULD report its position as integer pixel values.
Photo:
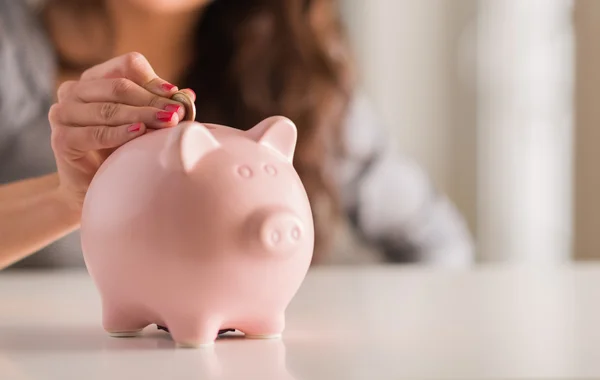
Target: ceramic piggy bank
(199, 228)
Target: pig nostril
(245, 171)
(296, 233)
(275, 237)
(270, 169)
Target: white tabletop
(345, 323)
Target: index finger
(135, 67)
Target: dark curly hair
(256, 58)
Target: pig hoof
(124, 334)
(263, 336)
(194, 345)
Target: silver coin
(188, 103)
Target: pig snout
(280, 230)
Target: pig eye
(270, 169)
(245, 171)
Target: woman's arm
(27, 187)
(33, 214)
(393, 203)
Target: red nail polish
(165, 116)
(134, 127)
(172, 108)
(167, 86)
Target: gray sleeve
(391, 201)
(26, 62)
(27, 68)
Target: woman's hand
(111, 104)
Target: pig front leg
(122, 320)
(266, 327)
(193, 332)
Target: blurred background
(498, 100)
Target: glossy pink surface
(199, 228)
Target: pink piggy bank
(199, 228)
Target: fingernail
(168, 86)
(164, 116)
(173, 108)
(193, 93)
(134, 127)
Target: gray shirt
(389, 200)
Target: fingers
(99, 114)
(67, 139)
(135, 67)
(112, 103)
(118, 90)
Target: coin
(188, 103)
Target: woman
(246, 60)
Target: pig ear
(187, 144)
(278, 133)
